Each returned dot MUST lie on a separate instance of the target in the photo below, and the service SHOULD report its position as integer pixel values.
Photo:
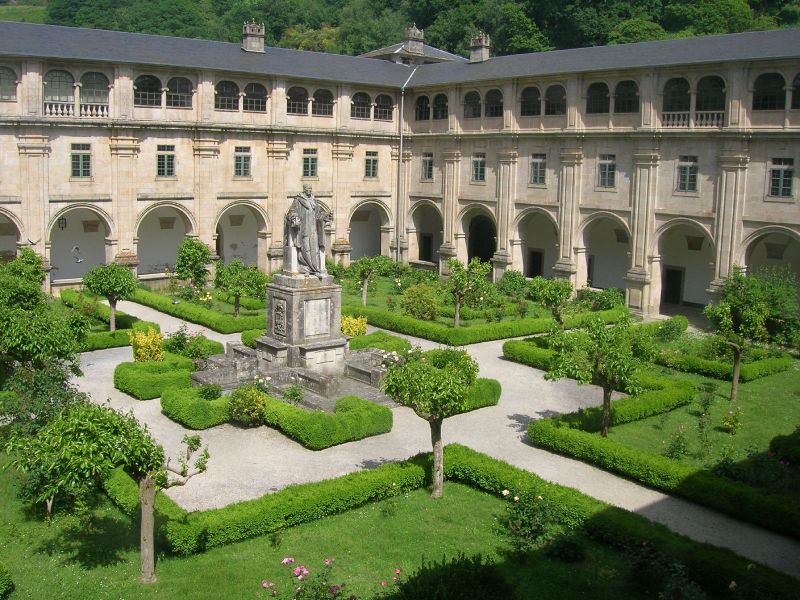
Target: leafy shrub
(246, 405)
(259, 303)
(6, 584)
(382, 341)
(459, 578)
(531, 519)
(209, 391)
(250, 335)
(354, 326)
(513, 283)
(609, 298)
(419, 301)
(192, 409)
(678, 445)
(148, 380)
(294, 394)
(147, 345)
(787, 446)
(732, 421)
(191, 263)
(457, 360)
(482, 393)
(391, 302)
(191, 345)
(672, 329)
(197, 314)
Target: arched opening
(481, 236)
(494, 103)
(686, 266)
(226, 96)
(9, 236)
(147, 91)
(428, 228)
(768, 93)
(77, 243)
(555, 100)
(598, 100)
(773, 249)
(8, 84)
(297, 101)
(94, 95)
(370, 231)
(626, 97)
(323, 104)
(795, 92)
(440, 107)
(608, 247)
(238, 229)
(531, 102)
(160, 232)
(538, 248)
(179, 93)
(384, 107)
(710, 94)
(472, 105)
(255, 98)
(59, 94)
(360, 106)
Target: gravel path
(248, 463)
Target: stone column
(342, 156)
(505, 210)
(569, 198)
(277, 204)
(34, 152)
(638, 278)
(206, 153)
(728, 215)
(450, 181)
(581, 267)
(32, 91)
(124, 147)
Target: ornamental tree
(467, 284)
(434, 385)
(365, 269)
(192, 262)
(606, 356)
(751, 309)
(554, 294)
(239, 280)
(82, 445)
(114, 282)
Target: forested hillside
(356, 26)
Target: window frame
(228, 101)
(360, 106)
(8, 82)
(371, 164)
(607, 172)
(555, 107)
(478, 171)
(147, 98)
(310, 163)
(254, 103)
(441, 110)
(179, 98)
(768, 100)
(598, 99)
(781, 171)
(80, 161)
(687, 175)
(537, 175)
(242, 162)
(529, 107)
(165, 161)
(426, 167)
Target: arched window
(597, 99)
(768, 93)
(59, 86)
(323, 103)
(710, 94)
(255, 98)
(440, 107)
(359, 109)
(626, 97)
(531, 105)
(94, 88)
(147, 91)
(384, 107)
(179, 93)
(795, 92)
(676, 95)
(494, 103)
(8, 84)
(422, 109)
(226, 96)
(297, 101)
(555, 100)
(472, 105)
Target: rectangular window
(310, 162)
(241, 161)
(781, 177)
(687, 174)
(371, 164)
(538, 169)
(607, 171)
(81, 160)
(479, 167)
(427, 166)
(165, 161)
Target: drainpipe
(400, 167)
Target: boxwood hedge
(148, 380)
(382, 341)
(249, 336)
(187, 407)
(722, 370)
(484, 392)
(193, 313)
(6, 584)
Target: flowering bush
(262, 384)
(354, 326)
(294, 394)
(419, 301)
(147, 345)
(190, 344)
(247, 405)
(732, 421)
(532, 520)
(302, 584)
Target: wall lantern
(62, 223)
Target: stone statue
(304, 235)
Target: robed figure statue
(304, 235)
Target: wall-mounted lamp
(62, 223)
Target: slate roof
(72, 43)
(427, 51)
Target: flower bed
(148, 380)
(193, 313)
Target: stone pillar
(450, 184)
(401, 206)
(206, 153)
(342, 155)
(569, 192)
(652, 296)
(32, 89)
(506, 181)
(638, 278)
(34, 152)
(278, 204)
(728, 215)
(124, 147)
(340, 250)
(581, 267)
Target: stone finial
(253, 37)
(415, 39)
(480, 47)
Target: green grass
(100, 561)
(24, 13)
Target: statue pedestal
(303, 325)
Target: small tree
(553, 294)
(240, 280)
(434, 385)
(752, 309)
(365, 269)
(114, 282)
(606, 356)
(81, 446)
(467, 284)
(192, 262)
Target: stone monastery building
(653, 167)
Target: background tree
(192, 262)
(605, 356)
(82, 445)
(754, 308)
(240, 280)
(467, 284)
(553, 294)
(434, 385)
(114, 282)
(365, 269)
(636, 30)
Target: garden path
(248, 463)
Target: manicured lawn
(100, 561)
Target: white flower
(516, 498)
(505, 492)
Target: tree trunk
(606, 410)
(364, 289)
(557, 315)
(438, 458)
(147, 498)
(457, 315)
(236, 302)
(112, 316)
(49, 505)
(737, 367)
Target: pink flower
(394, 578)
(383, 584)
(300, 572)
(328, 562)
(267, 584)
(287, 561)
(397, 571)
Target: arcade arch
(241, 233)
(426, 237)
(684, 267)
(79, 239)
(607, 245)
(480, 234)
(370, 230)
(10, 236)
(158, 234)
(538, 238)
(773, 247)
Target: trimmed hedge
(353, 419)
(382, 341)
(124, 492)
(6, 584)
(483, 393)
(471, 334)
(249, 336)
(722, 370)
(244, 301)
(197, 314)
(787, 447)
(187, 407)
(528, 353)
(148, 380)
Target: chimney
(253, 37)
(479, 47)
(415, 39)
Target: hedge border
(380, 340)
(244, 301)
(249, 336)
(197, 314)
(186, 407)
(148, 379)
(717, 369)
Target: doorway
(482, 238)
(535, 263)
(672, 285)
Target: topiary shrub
(148, 380)
(147, 345)
(209, 391)
(195, 408)
(419, 301)
(246, 405)
(608, 298)
(354, 326)
(672, 329)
